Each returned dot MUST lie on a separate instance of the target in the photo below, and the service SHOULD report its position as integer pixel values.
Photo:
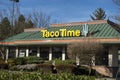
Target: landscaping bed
(21, 75)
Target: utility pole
(13, 10)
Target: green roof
(102, 30)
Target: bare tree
(4, 13)
(116, 17)
(84, 52)
(1, 16)
(40, 19)
(117, 2)
(9, 14)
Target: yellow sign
(60, 33)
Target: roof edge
(33, 29)
(25, 42)
(79, 23)
(115, 25)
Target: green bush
(33, 60)
(20, 61)
(65, 68)
(61, 68)
(27, 67)
(9, 75)
(11, 62)
(82, 70)
(59, 62)
(28, 60)
(45, 68)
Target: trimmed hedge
(44, 68)
(33, 60)
(82, 70)
(59, 62)
(47, 68)
(28, 60)
(20, 61)
(62, 68)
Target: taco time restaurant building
(51, 43)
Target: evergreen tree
(98, 14)
(21, 19)
(22, 24)
(19, 25)
(29, 24)
(5, 28)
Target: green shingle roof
(102, 30)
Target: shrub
(9, 75)
(28, 60)
(68, 61)
(20, 61)
(59, 62)
(27, 67)
(11, 62)
(82, 70)
(3, 66)
(45, 68)
(65, 68)
(33, 60)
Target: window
(44, 53)
(119, 56)
(33, 52)
(57, 52)
(22, 53)
(11, 53)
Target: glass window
(119, 56)
(33, 52)
(11, 53)
(44, 53)
(22, 53)
(57, 52)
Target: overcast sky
(64, 10)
